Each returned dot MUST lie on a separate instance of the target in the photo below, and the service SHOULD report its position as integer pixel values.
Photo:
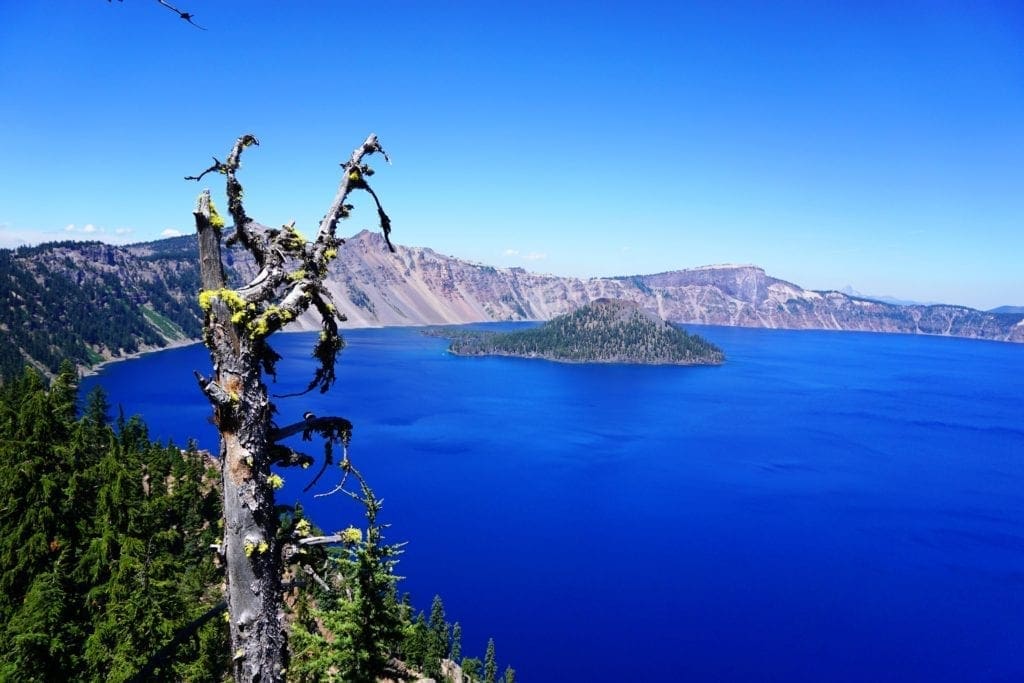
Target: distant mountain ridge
(419, 286)
(89, 301)
(886, 299)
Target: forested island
(605, 331)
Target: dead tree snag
(237, 324)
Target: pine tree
(438, 639)
(103, 561)
(358, 623)
(456, 642)
(490, 664)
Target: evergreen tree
(416, 642)
(490, 664)
(104, 538)
(358, 624)
(438, 639)
(456, 653)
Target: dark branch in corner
(184, 15)
(187, 16)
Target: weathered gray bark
(237, 324)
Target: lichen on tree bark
(237, 323)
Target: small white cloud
(70, 227)
(89, 227)
(511, 252)
(535, 256)
(170, 232)
(122, 231)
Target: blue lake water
(823, 507)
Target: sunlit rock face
(418, 286)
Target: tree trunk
(250, 522)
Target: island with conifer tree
(603, 331)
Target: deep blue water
(824, 507)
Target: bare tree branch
(334, 428)
(184, 15)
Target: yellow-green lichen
(303, 528)
(260, 327)
(232, 299)
(297, 275)
(351, 536)
(249, 548)
(275, 481)
(330, 254)
(262, 547)
(206, 298)
(216, 220)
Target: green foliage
(74, 300)
(104, 559)
(472, 667)
(416, 642)
(604, 331)
(104, 541)
(358, 625)
(490, 663)
(437, 643)
(456, 652)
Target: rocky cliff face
(419, 286)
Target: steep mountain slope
(419, 286)
(89, 301)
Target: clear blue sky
(880, 145)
